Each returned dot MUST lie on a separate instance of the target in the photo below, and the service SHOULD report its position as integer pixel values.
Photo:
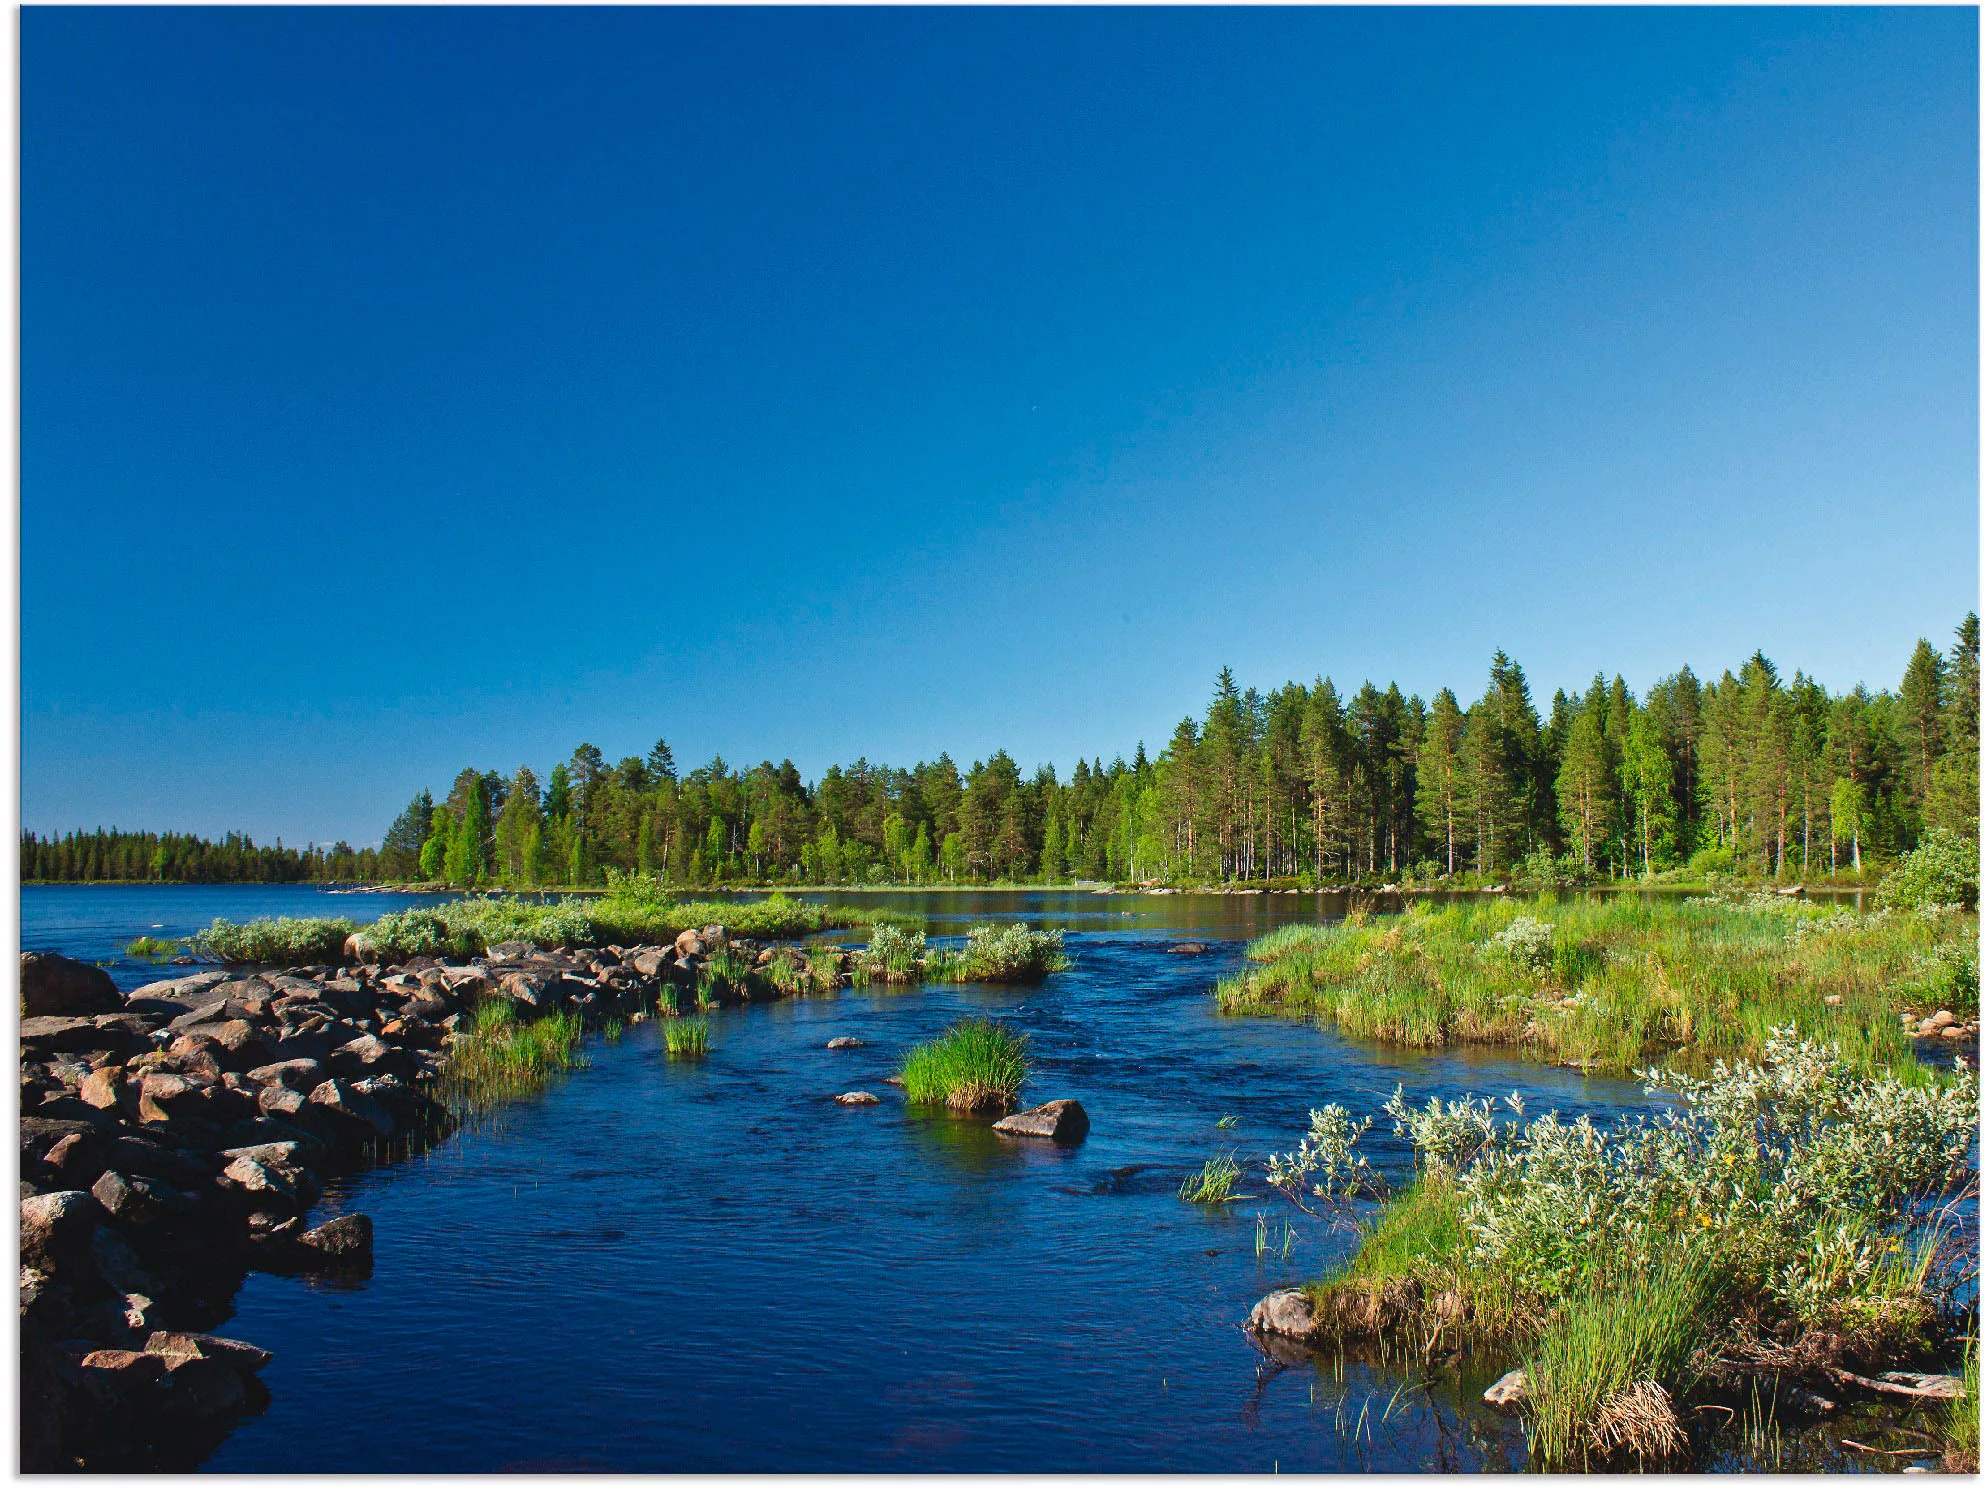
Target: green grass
(1960, 1425)
(687, 1038)
(1606, 1371)
(153, 948)
(274, 942)
(504, 1058)
(1212, 1184)
(1626, 981)
(976, 1065)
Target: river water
(671, 1266)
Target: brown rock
(102, 1088)
(55, 986)
(162, 1096)
(1508, 1392)
(1056, 1121)
(348, 1238)
(172, 1346)
(56, 1230)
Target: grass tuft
(687, 1038)
(1212, 1184)
(503, 1058)
(976, 1065)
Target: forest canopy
(1749, 773)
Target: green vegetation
(1960, 1427)
(893, 955)
(1606, 1370)
(977, 1065)
(1001, 953)
(687, 1038)
(1618, 981)
(1784, 1214)
(1747, 773)
(154, 948)
(1942, 872)
(503, 1058)
(635, 912)
(1213, 1183)
(276, 942)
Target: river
(670, 1266)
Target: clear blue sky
(404, 389)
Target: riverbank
(1617, 983)
(177, 1139)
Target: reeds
(1213, 1183)
(502, 1058)
(687, 1038)
(153, 948)
(1606, 1371)
(977, 1065)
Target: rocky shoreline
(177, 1138)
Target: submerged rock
(1056, 1121)
(846, 1041)
(1288, 1313)
(1186, 948)
(858, 1098)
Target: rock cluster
(1941, 1024)
(177, 1138)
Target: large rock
(53, 986)
(346, 1240)
(1056, 1121)
(161, 1097)
(57, 1035)
(347, 1112)
(1288, 1313)
(55, 1231)
(207, 1346)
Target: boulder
(1287, 1313)
(120, 1379)
(300, 1075)
(161, 1097)
(846, 1041)
(118, 1264)
(356, 1114)
(688, 944)
(56, 1230)
(171, 1346)
(280, 1101)
(102, 1088)
(1056, 1121)
(1509, 1392)
(77, 1159)
(1186, 948)
(651, 963)
(53, 986)
(43, 1036)
(346, 1239)
(511, 950)
(136, 1200)
(858, 1098)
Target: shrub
(976, 1065)
(1525, 941)
(277, 942)
(1009, 953)
(1943, 870)
(893, 955)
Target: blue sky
(404, 389)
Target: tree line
(180, 857)
(1746, 773)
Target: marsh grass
(1616, 1355)
(1960, 1424)
(1625, 981)
(1213, 1183)
(283, 941)
(154, 948)
(976, 1065)
(503, 1058)
(687, 1038)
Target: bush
(1942, 871)
(1709, 861)
(977, 1065)
(1526, 942)
(994, 953)
(893, 955)
(277, 942)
